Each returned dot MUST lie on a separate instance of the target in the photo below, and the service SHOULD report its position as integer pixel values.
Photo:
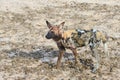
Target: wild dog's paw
(94, 70)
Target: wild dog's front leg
(61, 52)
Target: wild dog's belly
(81, 40)
(74, 42)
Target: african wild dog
(72, 39)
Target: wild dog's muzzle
(48, 36)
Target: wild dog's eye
(52, 32)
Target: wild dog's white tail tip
(106, 49)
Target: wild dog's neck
(58, 38)
(64, 35)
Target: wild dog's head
(55, 31)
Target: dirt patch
(25, 54)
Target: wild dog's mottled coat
(73, 39)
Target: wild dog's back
(68, 33)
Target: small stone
(12, 54)
(45, 59)
(53, 60)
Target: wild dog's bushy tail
(106, 49)
(113, 38)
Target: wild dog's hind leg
(96, 55)
(75, 55)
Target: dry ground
(25, 54)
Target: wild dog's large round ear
(48, 24)
(61, 25)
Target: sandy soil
(25, 54)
